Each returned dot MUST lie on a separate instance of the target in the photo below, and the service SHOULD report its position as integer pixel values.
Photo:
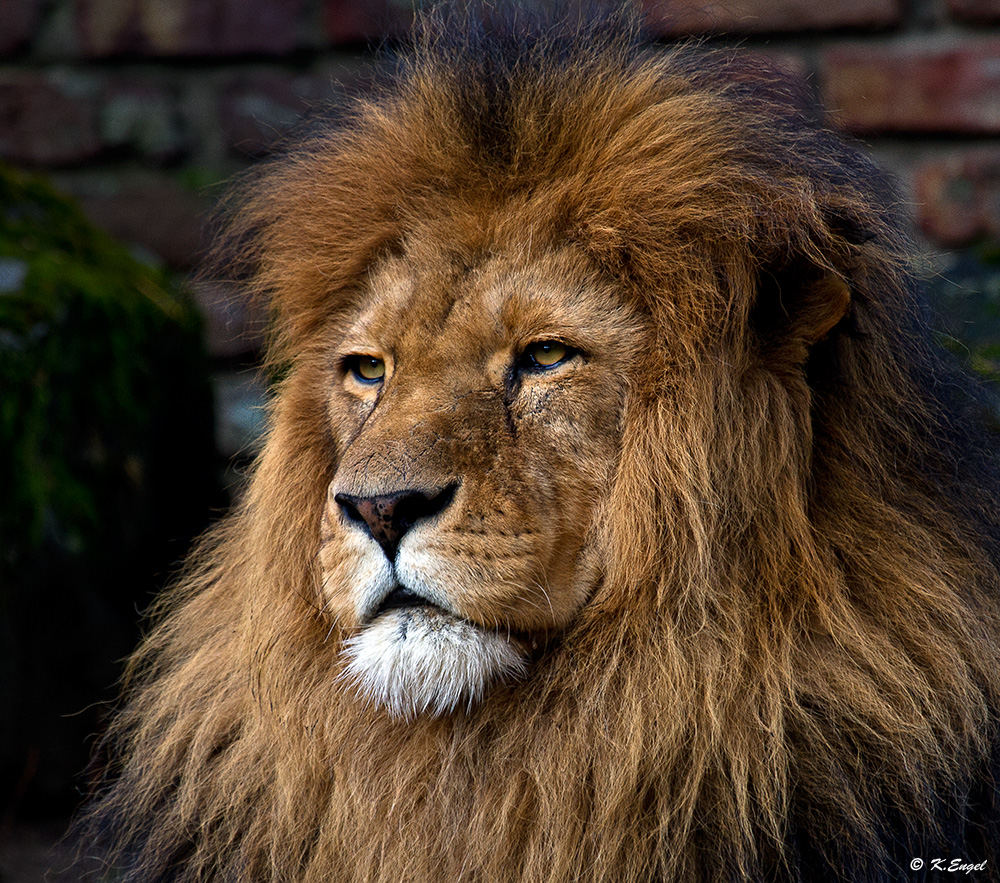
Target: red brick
(958, 197)
(17, 21)
(350, 21)
(187, 27)
(678, 17)
(786, 64)
(46, 120)
(143, 119)
(255, 111)
(146, 209)
(982, 11)
(915, 87)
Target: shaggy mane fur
(790, 669)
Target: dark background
(142, 109)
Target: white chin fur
(419, 661)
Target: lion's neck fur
(796, 643)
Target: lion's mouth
(401, 598)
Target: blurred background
(129, 401)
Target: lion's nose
(389, 516)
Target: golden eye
(367, 369)
(546, 354)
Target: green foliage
(107, 465)
(86, 335)
(966, 302)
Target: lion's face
(476, 414)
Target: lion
(618, 517)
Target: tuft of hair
(409, 679)
(790, 670)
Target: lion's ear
(824, 302)
(797, 306)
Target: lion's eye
(545, 354)
(367, 369)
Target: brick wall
(136, 105)
(917, 80)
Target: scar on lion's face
(477, 414)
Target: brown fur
(786, 664)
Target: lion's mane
(790, 669)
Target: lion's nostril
(413, 506)
(348, 507)
(389, 516)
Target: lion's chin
(424, 661)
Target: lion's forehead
(475, 313)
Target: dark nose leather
(389, 516)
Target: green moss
(107, 467)
(91, 345)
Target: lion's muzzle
(388, 516)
